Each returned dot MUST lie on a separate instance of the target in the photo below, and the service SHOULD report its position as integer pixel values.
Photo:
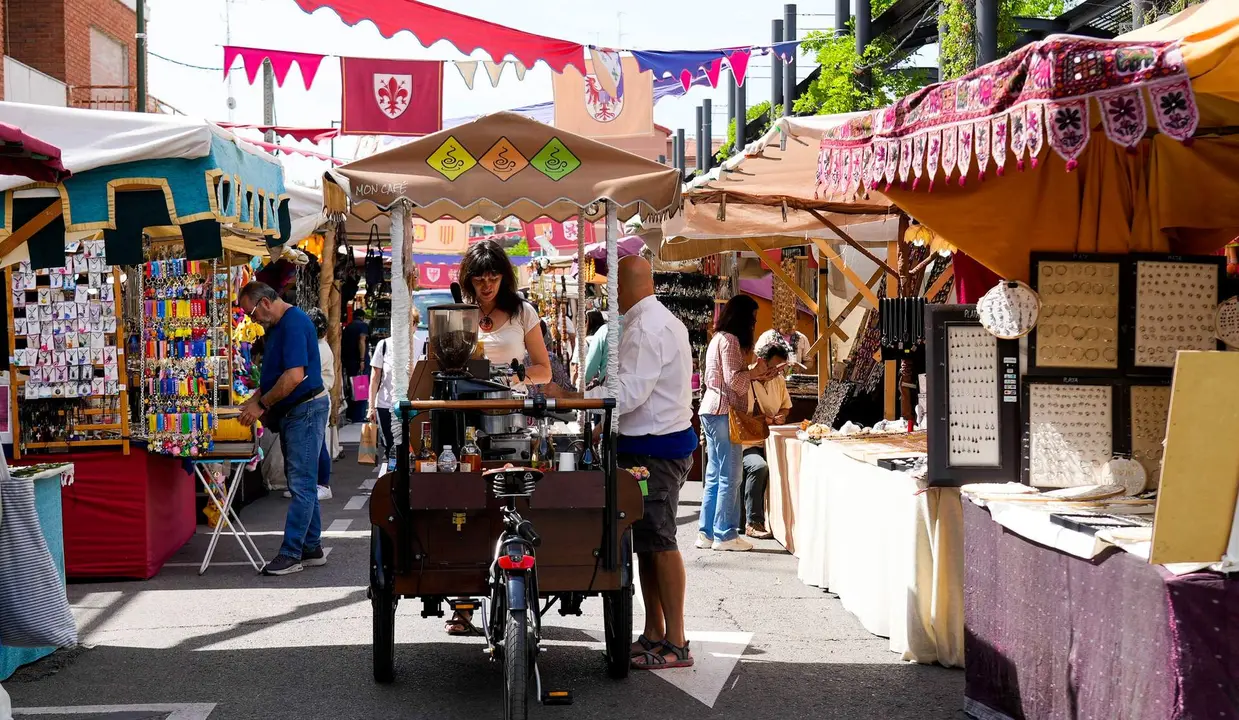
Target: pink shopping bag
(361, 387)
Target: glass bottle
(427, 461)
(470, 455)
(545, 447)
(447, 460)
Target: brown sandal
(461, 624)
(656, 658)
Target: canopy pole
(825, 358)
(400, 303)
(329, 302)
(613, 319)
(579, 315)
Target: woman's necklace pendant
(486, 324)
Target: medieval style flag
(391, 97)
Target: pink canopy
(22, 154)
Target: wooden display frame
(938, 320)
(15, 386)
(1122, 329)
(1130, 308)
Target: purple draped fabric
(1049, 635)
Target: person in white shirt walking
(381, 385)
(654, 404)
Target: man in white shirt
(654, 405)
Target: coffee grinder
(453, 340)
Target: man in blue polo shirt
(292, 402)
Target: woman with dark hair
(728, 378)
(509, 328)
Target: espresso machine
(453, 341)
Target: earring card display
(1174, 307)
(973, 389)
(1080, 327)
(1070, 430)
(1148, 409)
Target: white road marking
(326, 533)
(339, 525)
(178, 711)
(356, 502)
(715, 655)
(368, 484)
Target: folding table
(222, 499)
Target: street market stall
(465, 173)
(119, 316)
(1110, 430)
(830, 496)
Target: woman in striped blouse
(728, 376)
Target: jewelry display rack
(96, 363)
(1073, 426)
(1081, 330)
(1173, 307)
(973, 388)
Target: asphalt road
(232, 644)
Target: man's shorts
(656, 530)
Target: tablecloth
(1051, 636)
(783, 460)
(893, 556)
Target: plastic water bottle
(447, 460)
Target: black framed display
(1173, 301)
(973, 387)
(1073, 426)
(1082, 328)
(1147, 410)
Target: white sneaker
(324, 492)
(288, 493)
(703, 542)
(736, 544)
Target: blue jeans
(324, 466)
(720, 499)
(301, 439)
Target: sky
(194, 33)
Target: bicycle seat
(513, 480)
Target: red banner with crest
(391, 97)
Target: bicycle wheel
(516, 666)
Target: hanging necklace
(486, 324)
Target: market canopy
(26, 155)
(504, 165)
(1141, 127)
(140, 173)
(767, 196)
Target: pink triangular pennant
(739, 62)
(984, 147)
(918, 158)
(281, 63)
(1036, 133)
(905, 158)
(713, 70)
(933, 156)
(686, 79)
(964, 152)
(998, 135)
(892, 162)
(950, 139)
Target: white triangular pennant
(520, 70)
(468, 71)
(494, 70)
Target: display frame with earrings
(972, 385)
(1146, 403)
(1072, 286)
(1172, 313)
(1031, 472)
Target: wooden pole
(786, 279)
(824, 359)
(903, 219)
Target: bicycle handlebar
(547, 404)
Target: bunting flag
(391, 97)
(584, 108)
(520, 70)
(468, 71)
(314, 135)
(430, 24)
(607, 68)
(1041, 93)
(494, 70)
(293, 150)
(281, 63)
(739, 62)
(712, 72)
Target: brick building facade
(82, 43)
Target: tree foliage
(957, 30)
(841, 84)
(520, 249)
(759, 110)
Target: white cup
(567, 462)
